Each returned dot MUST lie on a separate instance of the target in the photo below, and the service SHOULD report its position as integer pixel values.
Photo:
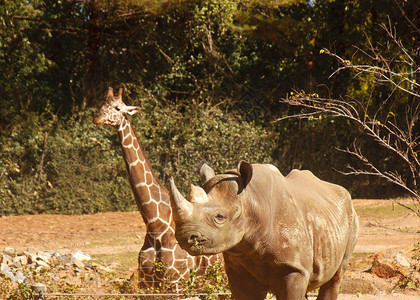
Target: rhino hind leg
(330, 289)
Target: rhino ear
(245, 170)
(205, 171)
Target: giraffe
(160, 247)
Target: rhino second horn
(179, 203)
(205, 171)
(197, 195)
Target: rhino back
(301, 221)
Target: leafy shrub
(83, 169)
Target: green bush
(83, 169)
(182, 136)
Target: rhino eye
(219, 218)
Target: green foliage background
(207, 75)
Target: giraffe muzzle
(98, 120)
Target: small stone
(43, 255)
(31, 256)
(19, 277)
(9, 251)
(43, 264)
(382, 270)
(39, 289)
(7, 259)
(401, 260)
(80, 256)
(21, 261)
(105, 269)
(78, 264)
(3, 266)
(8, 272)
(65, 258)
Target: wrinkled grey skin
(284, 235)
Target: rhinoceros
(287, 235)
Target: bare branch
(378, 123)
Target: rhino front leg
(293, 286)
(243, 286)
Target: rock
(39, 290)
(78, 264)
(43, 255)
(31, 266)
(134, 276)
(80, 256)
(382, 270)
(357, 285)
(19, 277)
(7, 259)
(65, 258)
(43, 264)
(8, 272)
(20, 261)
(401, 260)
(31, 256)
(3, 266)
(9, 251)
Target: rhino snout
(193, 242)
(195, 238)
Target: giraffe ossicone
(153, 201)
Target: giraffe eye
(118, 108)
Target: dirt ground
(384, 233)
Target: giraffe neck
(151, 196)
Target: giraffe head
(113, 110)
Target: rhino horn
(197, 195)
(181, 206)
(205, 171)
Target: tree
(389, 116)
